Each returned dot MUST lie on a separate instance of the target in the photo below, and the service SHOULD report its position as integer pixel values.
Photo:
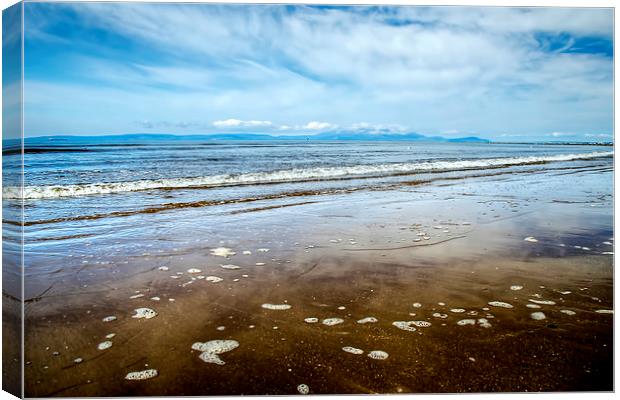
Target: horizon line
(301, 136)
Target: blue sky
(498, 73)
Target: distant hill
(392, 137)
(469, 139)
(339, 136)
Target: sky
(506, 74)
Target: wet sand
(438, 254)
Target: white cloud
(519, 20)
(317, 126)
(561, 134)
(233, 123)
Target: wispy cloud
(236, 123)
(562, 134)
(510, 70)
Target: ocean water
(97, 178)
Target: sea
(80, 179)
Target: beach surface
(501, 282)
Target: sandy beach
(499, 283)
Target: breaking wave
(284, 176)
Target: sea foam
(213, 348)
(141, 375)
(290, 175)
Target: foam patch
(457, 310)
(378, 355)
(500, 304)
(144, 312)
(367, 320)
(405, 325)
(276, 306)
(352, 350)
(211, 349)
(216, 346)
(545, 302)
(516, 287)
(194, 271)
(214, 279)
(303, 389)
(483, 322)
(568, 312)
(222, 252)
(104, 345)
(538, 316)
(109, 319)
(332, 321)
(531, 239)
(141, 375)
(311, 320)
(229, 266)
(464, 322)
(605, 311)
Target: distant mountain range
(341, 136)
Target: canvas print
(289, 199)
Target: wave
(293, 194)
(284, 176)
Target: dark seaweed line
(305, 193)
(172, 206)
(42, 150)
